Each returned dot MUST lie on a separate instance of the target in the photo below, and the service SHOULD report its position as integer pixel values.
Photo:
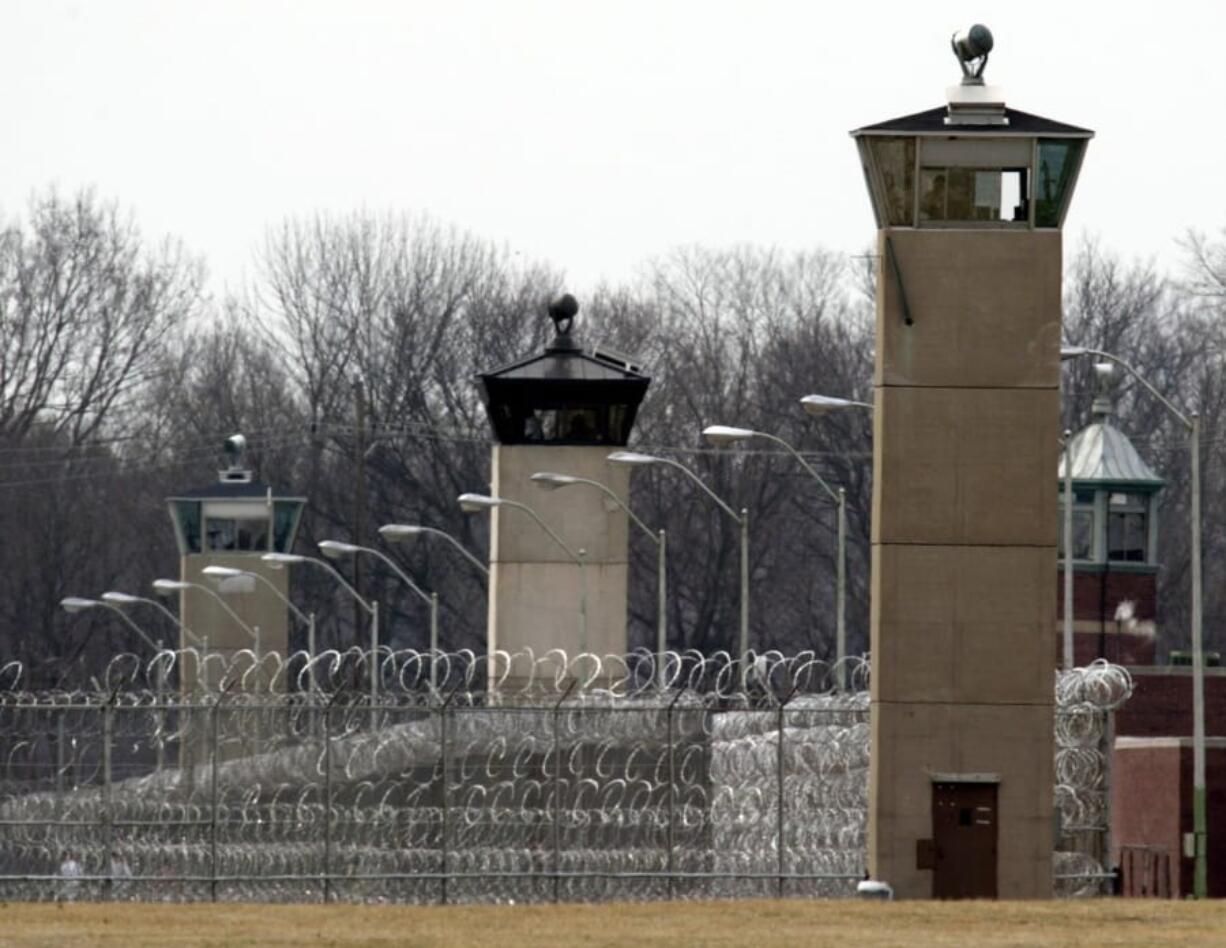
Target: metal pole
(1199, 819)
(779, 799)
(213, 796)
(661, 606)
(443, 758)
(374, 661)
(161, 714)
(583, 643)
(744, 518)
(327, 867)
(672, 795)
(1069, 654)
(557, 788)
(108, 817)
(311, 686)
(841, 596)
(433, 640)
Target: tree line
(349, 364)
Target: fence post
(557, 788)
(214, 734)
(108, 817)
(443, 763)
(782, 862)
(327, 866)
(672, 794)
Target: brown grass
(847, 924)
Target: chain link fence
(521, 779)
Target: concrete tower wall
(534, 584)
(964, 543)
(258, 608)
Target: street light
(230, 572)
(725, 435)
(75, 604)
(475, 503)
(547, 480)
(1192, 423)
(371, 607)
(334, 549)
(127, 599)
(637, 459)
(818, 405)
(167, 587)
(398, 532)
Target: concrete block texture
(965, 466)
(253, 602)
(581, 515)
(985, 306)
(962, 623)
(536, 605)
(913, 742)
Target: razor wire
(469, 778)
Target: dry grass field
(1151, 924)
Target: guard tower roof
(933, 122)
(1102, 453)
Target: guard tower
(1114, 540)
(232, 523)
(969, 199)
(563, 410)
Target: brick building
(1114, 541)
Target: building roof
(230, 490)
(932, 122)
(1103, 453)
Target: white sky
(589, 133)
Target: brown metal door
(964, 838)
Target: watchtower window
(1127, 528)
(981, 195)
(229, 534)
(1083, 526)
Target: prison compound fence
(469, 778)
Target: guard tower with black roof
(969, 199)
(560, 411)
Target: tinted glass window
(895, 161)
(1057, 164)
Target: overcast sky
(592, 135)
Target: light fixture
(335, 549)
(77, 603)
(473, 503)
(824, 404)
(547, 480)
(726, 434)
(633, 457)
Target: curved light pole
(126, 599)
(75, 604)
(637, 459)
(818, 406)
(398, 532)
(1191, 422)
(335, 549)
(474, 503)
(724, 435)
(166, 587)
(371, 607)
(230, 572)
(547, 480)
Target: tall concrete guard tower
(232, 523)
(969, 200)
(562, 411)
